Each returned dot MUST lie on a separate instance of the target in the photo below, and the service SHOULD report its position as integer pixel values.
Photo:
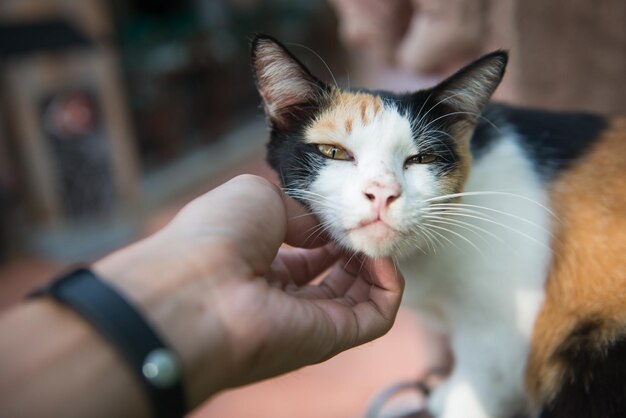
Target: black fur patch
(432, 126)
(553, 140)
(295, 161)
(487, 131)
(595, 385)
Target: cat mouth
(376, 228)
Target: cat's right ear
(288, 88)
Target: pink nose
(382, 195)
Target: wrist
(177, 300)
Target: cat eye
(334, 152)
(422, 159)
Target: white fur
(488, 293)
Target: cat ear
(469, 89)
(287, 87)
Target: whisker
(354, 253)
(439, 234)
(458, 235)
(445, 99)
(506, 227)
(317, 231)
(419, 121)
(476, 115)
(519, 218)
(414, 240)
(429, 238)
(435, 208)
(426, 239)
(303, 215)
(394, 260)
(490, 193)
(464, 225)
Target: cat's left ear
(288, 88)
(469, 89)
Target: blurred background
(111, 110)
(114, 113)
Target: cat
(507, 223)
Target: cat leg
(487, 381)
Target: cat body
(486, 288)
(506, 223)
(489, 297)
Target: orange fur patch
(463, 134)
(328, 125)
(348, 125)
(364, 113)
(453, 181)
(587, 279)
(377, 106)
(345, 110)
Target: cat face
(369, 164)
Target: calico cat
(509, 225)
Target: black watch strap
(157, 366)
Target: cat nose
(382, 195)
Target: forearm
(177, 298)
(54, 364)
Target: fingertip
(388, 273)
(301, 225)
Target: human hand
(373, 28)
(422, 36)
(239, 309)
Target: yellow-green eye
(333, 151)
(427, 158)
(422, 159)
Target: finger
(303, 265)
(246, 215)
(333, 286)
(347, 282)
(377, 286)
(360, 288)
(303, 229)
(337, 282)
(381, 272)
(358, 292)
(388, 285)
(384, 296)
(375, 298)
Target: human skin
(421, 36)
(216, 284)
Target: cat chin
(375, 250)
(374, 240)
(372, 250)
(385, 245)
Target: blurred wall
(123, 106)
